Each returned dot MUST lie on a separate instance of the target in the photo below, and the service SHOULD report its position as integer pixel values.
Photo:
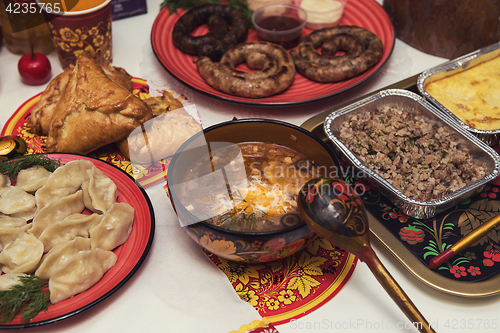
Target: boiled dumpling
(26, 215)
(80, 272)
(115, 227)
(9, 234)
(22, 255)
(63, 181)
(4, 183)
(87, 201)
(15, 200)
(4, 180)
(56, 211)
(11, 222)
(32, 179)
(100, 192)
(7, 281)
(74, 225)
(57, 256)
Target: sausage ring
(363, 50)
(228, 26)
(275, 65)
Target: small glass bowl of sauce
(280, 23)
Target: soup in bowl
(234, 187)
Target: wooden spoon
(333, 210)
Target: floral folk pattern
(428, 238)
(280, 286)
(338, 195)
(95, 40)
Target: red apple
(34, 68)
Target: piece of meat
(162, 104)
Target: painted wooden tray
(474, 273)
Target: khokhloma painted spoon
(334, 211)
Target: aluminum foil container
(456, 66)
(481, 153)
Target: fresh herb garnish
(26, 299)
(247, 221)
(12, 167)
(237, 196)
(243, 6)
(233, 219)
(174, 5)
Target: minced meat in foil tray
(419, 158)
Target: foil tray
(401, 99)
(382, 235)
(453, 67)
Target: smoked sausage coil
(363, 50)
(276, 70)
(227, 26)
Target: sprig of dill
(12, 167)
(173, 5)
(237, 196)
(247, 221)
(27, 299)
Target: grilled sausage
(228, 26)
(275, 65)
(363, 50)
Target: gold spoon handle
(390, 285)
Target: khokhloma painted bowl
(244, 246)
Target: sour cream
(322, 13)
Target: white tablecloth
(196, 296)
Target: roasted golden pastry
(93, 111)
(41, 114)
(119, 75)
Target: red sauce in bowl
(281, 23)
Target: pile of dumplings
(63, 244)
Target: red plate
(365, 13)
(130, 255)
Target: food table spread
(179, 289)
